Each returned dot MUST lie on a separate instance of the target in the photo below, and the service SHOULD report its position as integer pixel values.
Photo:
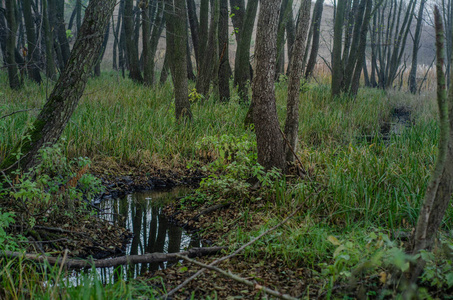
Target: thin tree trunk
(33, 50)
(224, 67)
(13, 74)
(316, 21)
(61, 31)
(418, 31)
(242, 62)
(63, 100)
(337, 62)
(50, 62)
(295, 75)
(131, 45)
(148, 59)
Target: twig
(252, 284)
(44, 242)
(183, 284)
(17, 111)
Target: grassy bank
(366, 177)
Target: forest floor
(368, 160)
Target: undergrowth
(364, 186)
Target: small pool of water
(141, 213)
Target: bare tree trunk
(224, 67)
(148, 59)
(242, 62)
(418, 33)
(63, 100)
(13, 74)
(268, 136)
(131, 45)
(337, 62)
(295, 75)
(194, 27)
(50, 62)
(61, 31)
(439, 190)
(175, 16)
(316, 21)
(33, 50)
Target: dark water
(141, 213)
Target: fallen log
(112, 262)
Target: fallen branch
(16, 112)
(112, 262)
(237, 278)
(183, 284)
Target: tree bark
(418, 32)
(61, 31)
(63, 100)
(50, 62)
(224, 67)
(242, 62)
(316, 21)
(148, 60)
(33, 50)
(175, 16)
(268, 137)
(439, 190)
(13, 74)
(337, 62)
(295, 75)
(131, 45)
(194, 27)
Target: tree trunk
(97, 66)
(33, 50)
(295, 75)
(131, 45)
(224, 67)
(337, 62)
(63, 100)
(148, 59)
(13, 74)
(194, 27)
(268, 137)
(50, 62)
(237, 8)
(61, 31)
(418, 33)
(242, 62)
(316, 21)
(439, 191)
(175, 16)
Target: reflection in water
(141, 213)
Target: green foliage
(234, 162)
(54, 186)
(7, 242)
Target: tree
(175, 16)
(242, 62)
(418, 33)
(131, 45)
(224, 67)
(13, 75)
(33, 50)
(440, 188)
(316, 34)
(268, 137)
(50, 62)
(63, 100)
(295, 75)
